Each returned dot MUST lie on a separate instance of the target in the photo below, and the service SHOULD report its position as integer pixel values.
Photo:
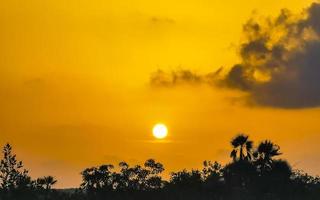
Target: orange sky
(74, 85)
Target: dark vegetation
(254, 173)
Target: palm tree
(265, 153)
(46, 182)
(242, 146)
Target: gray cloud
(280, 62)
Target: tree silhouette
(211, 171)
(213, 181)
(14, 180)
(12, 174)
(277, 182)
(239, 174)
(96, 178)
(185, 179)
(249, 176)
(154, 180)
(265, 153)
(140, 178)
(46, 182)
(136, 178)
(242, 146)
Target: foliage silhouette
(264, 155)
(242, 146)
(46, 182)
(253, 174)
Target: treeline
(253, 173)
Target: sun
(160, 131)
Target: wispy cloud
(161, 78)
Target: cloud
(161, 78)
(280, 62)
(157, 20)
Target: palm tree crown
(46, 182)
(265, 153)
(242, 146)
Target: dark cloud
(280, 62)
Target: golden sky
(75, 91)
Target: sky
(83, 82)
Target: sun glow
(160, 131)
